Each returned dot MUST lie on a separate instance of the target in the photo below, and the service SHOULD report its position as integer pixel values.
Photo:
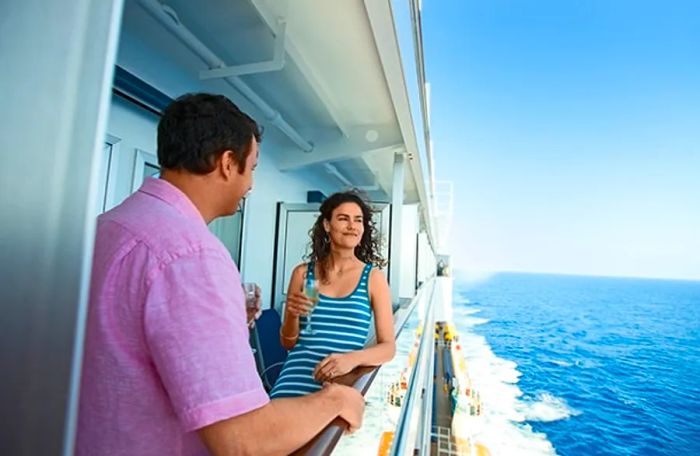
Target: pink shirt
(166, 348)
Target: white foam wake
(547, 407)
(474, 321)
(505, 430)
(467, 311)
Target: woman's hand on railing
(335, 365)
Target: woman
(343, 259)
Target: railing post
(396, 215)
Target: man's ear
(226, 165)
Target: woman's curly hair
(367, 251)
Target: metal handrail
(417, 406)
(361, 379)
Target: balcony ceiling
(333, 88)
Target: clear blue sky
(571, 131)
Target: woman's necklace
(341, 269)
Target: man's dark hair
(197, 128)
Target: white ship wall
(443, 299)
(409, 231)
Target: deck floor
(444, 443)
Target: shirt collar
(167, 192)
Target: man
(167, 368)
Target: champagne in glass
(311, 292)
(249, 289)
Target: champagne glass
(311, 292)
(249, 289)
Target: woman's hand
(297, 304)
(335, 365)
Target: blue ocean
(575, 365)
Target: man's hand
(353, 405)
(253, 313)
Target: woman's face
(346, 226)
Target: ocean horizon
(473, 277)
(576, 364)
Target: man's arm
(283, 425)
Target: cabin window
(229, 230)
(145, 166)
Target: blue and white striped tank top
(340, 325)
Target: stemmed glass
(311, 292)
(249, 291)
(250, 301)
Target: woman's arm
(297, 304)
(337, 364)
(380, 298)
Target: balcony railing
(413, 427)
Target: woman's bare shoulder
(299, 270)
(376, 275)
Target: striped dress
(340, 325)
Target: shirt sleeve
(196, 331)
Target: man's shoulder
(160, 228)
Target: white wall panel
(57, 59)
(409, 231)
(270, 187)
(426, 258)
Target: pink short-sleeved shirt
(166, 347)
